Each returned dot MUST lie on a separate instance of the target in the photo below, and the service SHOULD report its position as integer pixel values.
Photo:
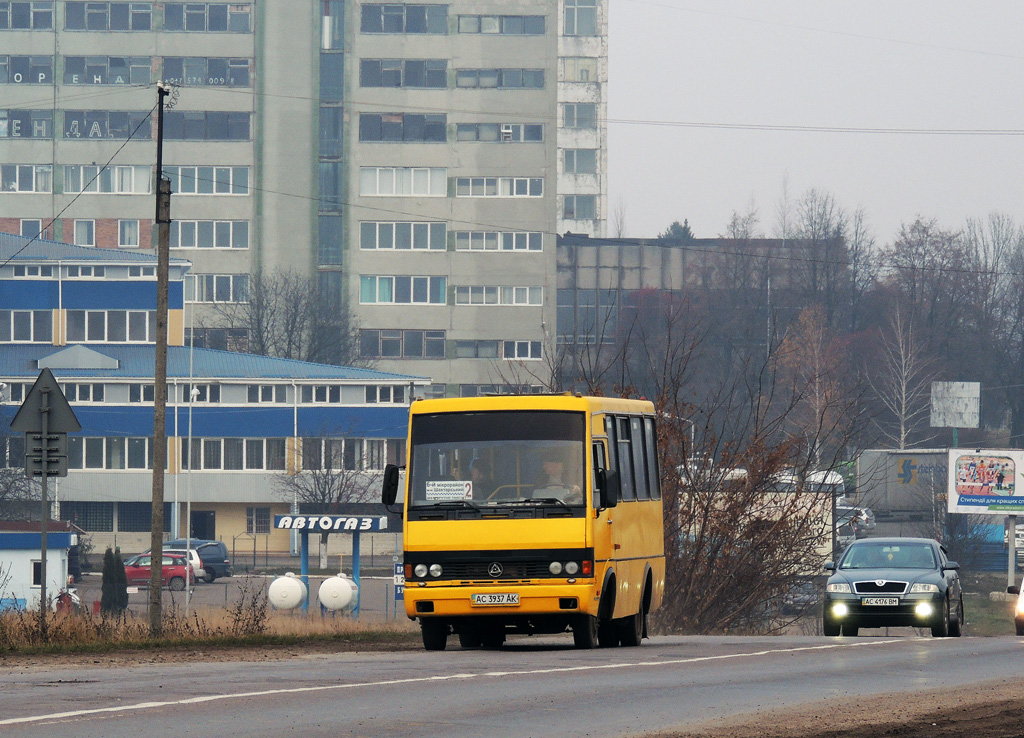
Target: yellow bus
(531, 514)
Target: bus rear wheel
(435, 634)
(631, 629)
(584, 632)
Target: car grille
(511, 570)
(885, 587)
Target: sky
(698, 90)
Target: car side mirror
(830, 566)
(950, 566)
(607, 488)
(389, 488)
(1013, 589)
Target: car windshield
(889, 556)
(492, 459)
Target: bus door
(608, 535)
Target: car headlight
(922, 587)
(842, 587)
(1020, 606)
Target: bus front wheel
(435, 634)
(584, 631)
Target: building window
(499, 241)
(521, 350)
(376, 394)
(581, 161)
(579, 115)
(26, 70)
(402, 235)
(137, 517)
(402, 290)
(94, 517)
(509, 25)
(209, 234)
(205, 393)
(140, 393)
(267, 393)
(141, 272)
(207, 71)
(579, 69)
(128, 234)
(257, 520)
(107, 70)
(111, 326)
(207, 17)
(117, 180)
(402, 127)
(401, 344)
(18, 16)
(30, 228)
(234, 454)
(26, 124)
(403, 181)
(83, 391)
(26, 326)
(580, 17)
(107, 124)
(392, 18)
(498, 295)
(206, 125)
(422, 73)
(208, 180)
(476, 349)
(500, 132)
(86, 272)
(222, 339)
(579, 207)
(85, 232)
(26, 178)
(112, 16)
(502, 79)
(499, 187)
(217, 288)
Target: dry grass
(246, 623)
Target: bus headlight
(571, 567)
(435, 570)
(420, 570)
(555, 568)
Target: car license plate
(496, 598)
(883, 601)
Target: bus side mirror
(607, 488)
(389, 489)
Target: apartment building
(417, 159)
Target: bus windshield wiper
(550, 501)
(456, 503)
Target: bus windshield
(498, 458)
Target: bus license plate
(496, 598)
(883, 601)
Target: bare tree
(901, 381)
(288, 315)
(619, 218)
(20, 497)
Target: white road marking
(439, 677)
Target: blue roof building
(239, 426)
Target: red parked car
(175, 571)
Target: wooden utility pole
(163, 225)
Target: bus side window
(598, 466)
(651, 448)
(639, 462)
(624, 454)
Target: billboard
(985, 481)
(955, 404)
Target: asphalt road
(531, 687)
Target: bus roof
(562, 401)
